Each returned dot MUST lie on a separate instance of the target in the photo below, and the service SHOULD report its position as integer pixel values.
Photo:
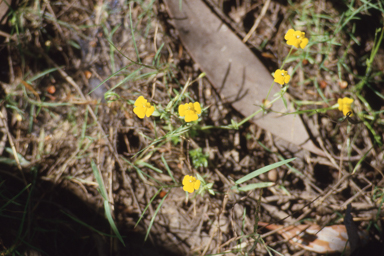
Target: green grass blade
(157, 56)
(263, 170)
(361, 160)
(108, 211)
(42, 74)
(133, 34)
(13, 198)
(99, 180)
(146, 207)
(154, 216)
(83, 129)
(142, 163)
(107, 207)
(114, 74)
(255, 186)
(85, 224)
(167, 168)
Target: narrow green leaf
(167, 168)
(146, 207)
(154, 216)
(255, 186)
(263, 170)
(99, 180)
(108, 210)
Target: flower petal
(182, 109)
(186, 179)
(340, 102)
(150, 111)
(188, 188)
(197, 184)
(190, 116)
(197, 107)
(304, 43)
(289, 34)
(287, 78)
(139, 111)
(140, 101)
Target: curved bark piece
(235, 72)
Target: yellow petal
(139, 111)
(278, 77)
(287, 78)
(294, 42)
(188, 188)
(190, 116)
(150, 111)
(197, 184)
(197, 107)
(340, 102)
(186, 179)
(348, 101)
(289, 34)
(140, 101)
(182, 109)
(304, 43)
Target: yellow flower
(143, 108)
(296, 38)
(345, 105)
(190, 111)
(281, 76)
(190, 183)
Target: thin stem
(282, 65)
(285, 60)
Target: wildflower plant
(295, 39)
(190, 112)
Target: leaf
(263, 170)
(255, 186)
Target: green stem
(285, 60)
(282, 65)
(228, 127)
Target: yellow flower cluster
(190, 184)
(296, 39)
(189, 110)
(345, 105)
